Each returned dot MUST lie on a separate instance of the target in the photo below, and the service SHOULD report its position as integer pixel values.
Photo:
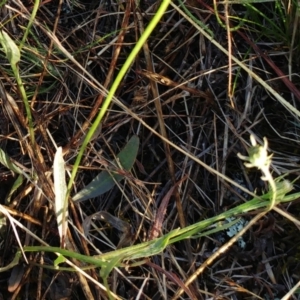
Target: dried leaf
(60, 190)
(124, 227)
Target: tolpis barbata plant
(259, 158)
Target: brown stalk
(163, 80)
(95, 108)
(259, 52)
(159, 218)
(160, 118)
(280, 74)
(24, 216)
(50, 50)
(168, 82)
(172, 277)
(19, 123)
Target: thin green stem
(158, 15)
(26, 104)
(156, 246)
(205, 27)
(32, 17)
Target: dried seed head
(140, 94)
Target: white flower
(258, 156)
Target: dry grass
(192, 94)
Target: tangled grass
(208, 75)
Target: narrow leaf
(105, 180)
(5, 161)
(60, 189)
(18, 182)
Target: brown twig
(159, 218)
(172, 277)
(259, 52)
(95, 108)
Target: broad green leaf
(60, 189)
(10, 48)
(105, 180)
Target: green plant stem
(156, 246)
(26, 104)
(116, 258)
(197, 21)
(32, 17)
(158, 15)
